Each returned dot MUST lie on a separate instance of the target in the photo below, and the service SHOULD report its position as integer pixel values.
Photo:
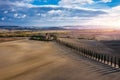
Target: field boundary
(112, 61)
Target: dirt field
(6, 39)
(115, 45)
(93, 45)
(35, 60)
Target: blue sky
(60, 12)
(45, 2)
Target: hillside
(36, 60)
(29, 28)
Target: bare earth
(35, 60)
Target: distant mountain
(30, 28)
(14, 28)
(52, 28)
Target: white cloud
(115, 9)
(64, 16)
(13, 10)
(28, 4)
(27, 1)
(54, 12)
(38, 14)
(80, 2)
(106, 1)
(18, 3)
(5, 12)
(75, 2)
(43, 15)
(16, 15)
(23, 16)
(112, 19)
(2, 18)
(22, 4)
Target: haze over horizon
(104, 13)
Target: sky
(105, 13)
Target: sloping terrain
(35, 60)
(90, 45)
(114, 44)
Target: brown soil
(35, 60)
(10, 39)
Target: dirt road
(35, 60)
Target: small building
(44, 37)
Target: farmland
(21, 58)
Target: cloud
(5, 12)
(22, 4)
(2, 18)
(112, 19)
(75, 2)
(23, 16)
(38, 14)
(55, 12)
(86, 4)
(16, 15)
(12, 10)
(106, 1)
(66, 12)
(17, 3)
(49, 14)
